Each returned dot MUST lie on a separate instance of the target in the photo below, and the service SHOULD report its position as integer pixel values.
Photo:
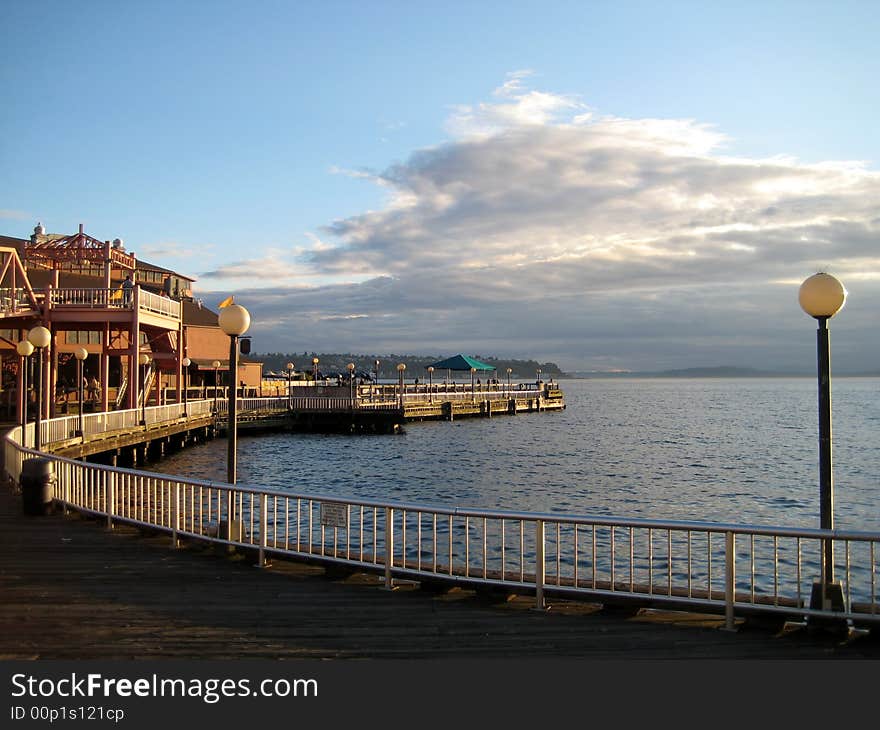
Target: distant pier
(350, 408)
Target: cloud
(174, 250)
(544, 229)
(14, 215)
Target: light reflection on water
(738, 450)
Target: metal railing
(727, 569)
(114, 299)
(14, 300)
(92, 298)
(149, 302)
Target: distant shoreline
(719, 372)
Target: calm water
(738, 450)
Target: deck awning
(461, 362)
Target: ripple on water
(732, 451)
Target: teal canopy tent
(461, 362)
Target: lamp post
(39, 337)
(144, 360)
(289, 368)
(473, 391)
(24, 349)
(401, 368)
(216, 366)
(315, 373)
(234, 320)
(186, 362)
(376, 384)
(430, 383)
(509, 371)
(822, 296)
(80, 354)
(350, 367)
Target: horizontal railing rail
(92, 298)
(117, 298)
(729, 569)
(149, 302)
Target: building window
(83, 337)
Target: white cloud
(545, 229)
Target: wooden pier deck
(71, 589)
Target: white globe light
(24, 348)
(144, 359)
(234, 320)
(186, 362)
(39, 337)
(215, 364)
(822, 296)
(81, 353)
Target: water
(725, 450)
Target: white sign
(334, 514)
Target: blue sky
(610, 185)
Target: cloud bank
(544, 229)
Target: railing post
(175, 517)
(389, 547)
(109, 497)
(229, 511)
(539, 565)
(729, 580)
(65, 489)
(264, 525)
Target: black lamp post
(185, 363)
(290, 368)
(81, 354)
(430, 383)
(822, 296)
(401, 368)
(144, 361)
(473, 387)
(315, 373)
(24, 349)
(350, 367)
(39, 337)
(376, 384)
(509, 371)
(234, 320)
(216, 366)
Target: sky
(604, 185)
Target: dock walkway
(71, 589)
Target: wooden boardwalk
(71, 589)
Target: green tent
(461, 362)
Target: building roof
(195, 313)
(147, 266)
(461, 362)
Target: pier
(73, 589)
(735, 574)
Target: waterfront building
(94, 294)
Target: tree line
(333, 363)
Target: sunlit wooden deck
(74, 590)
